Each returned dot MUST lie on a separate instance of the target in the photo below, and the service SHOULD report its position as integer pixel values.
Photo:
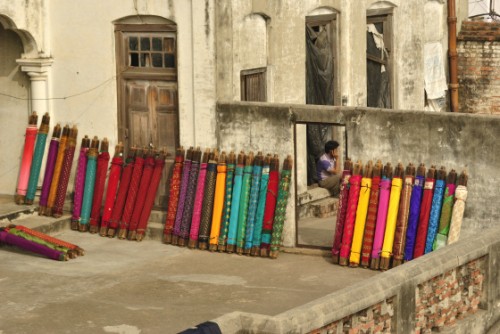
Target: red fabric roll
(29, 147)
(131, 196)
(100, 180)
(271, 198)
(425, 211)
(114, 178)
(150, 197)
(371, 220)
(174, 191)
(341, 212)
(147, 173)
(352, 205)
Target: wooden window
(253, 85)
(378, 59)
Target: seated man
(328, 168)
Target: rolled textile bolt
(49, 168)
(198, 201)
(254, 199)
(57, 169)
(186, 170)
(458, 208)
(235, 203)
(92, 154)
(208, 201)
(100, 181)
(231, 165)
(218, 202)
(257, 233)
(111, 191)
(24, 171)
(271, 198)
(41, 139)
(244, 201)
(446, 211)
(174, 190)
(435, 214)
(80, 182)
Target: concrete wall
(458, 141)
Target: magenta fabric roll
(186, 170)
(198, 202)
(341, 212)
(49, 171)
(350, 218)
(81, 170)
(31, 246)
(383, 206)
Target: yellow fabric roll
(57, 172)
(359, 224)
(392, 217)
(220, 189)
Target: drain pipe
(452, 54)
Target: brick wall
(478, 50)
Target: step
(311, 195)
(325, 207)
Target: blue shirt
(325, 163)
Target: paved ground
(149, 287)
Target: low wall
(458, 141)
(452, 290)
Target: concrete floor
(134, 287)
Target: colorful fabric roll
(383, 207)
(425, 211)
(254, 200)
(352, 205)
(414, 215)
(36, 164)
(49, 168)
(88, 192)
(403, 215)
(114, 178)
(235, 204)
(121, 197)
(361, 213)
(38, 240)
(57, 170)
(62, 185)
(220, 184)
(30, 246)
(186, 170)
(81, 169)
(226, 212)
(371, 216)
(458, 209)
(341, 210)
(208, 202)
(446, 210)
(246, 184)
(271, 197)
(131, 194)
(280, 211)
(437, 202)
(173, 195)
(78, 250)
(261, 206)
(100, 180)
(187, 215)
(392, 217)
(198, 201)
(144, 184)
(29, 146)
(150, 196)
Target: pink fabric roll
(29, 147)
(383, 206)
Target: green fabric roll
(41, 139)
(226, 213)
(280, 212)
(244, 202)
(38, 240)
(88, 192)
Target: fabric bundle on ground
(226, 214)
(361, 213)
(173, 197)
(88, 192)
(371, 216)
(235, 203)
(403, 214)
(341, 210)
(437, 202)
(31, 246)
(198, 201)
(151, 194)
(121, 197)
(350, 218)
(49, 168)
(246, 184)
(414, 214)
(29, 146)
(57, 171)
(208, 201)
(186, 170)
(254, 201)
(187, 214)
(280, 212)
(220, 184)
(271, 197)
(261, 206)
(392, 216)
(76, 249)
(62, 185)
(425, 211)
(36, 164)
(81, 170)
(65, 250)
(113, 180)
(383, 206)
(446, 210)
(142, 191)
(458, 208)
(100, 180)
(131, 194)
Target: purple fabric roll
(49, 170)
(14, 240)
(415, 201)
(186, 170)
(81, 171)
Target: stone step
(325, 207)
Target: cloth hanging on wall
(29, 146)
(36, 164)
(49, 168)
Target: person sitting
(328, 169)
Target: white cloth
(434, 75)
